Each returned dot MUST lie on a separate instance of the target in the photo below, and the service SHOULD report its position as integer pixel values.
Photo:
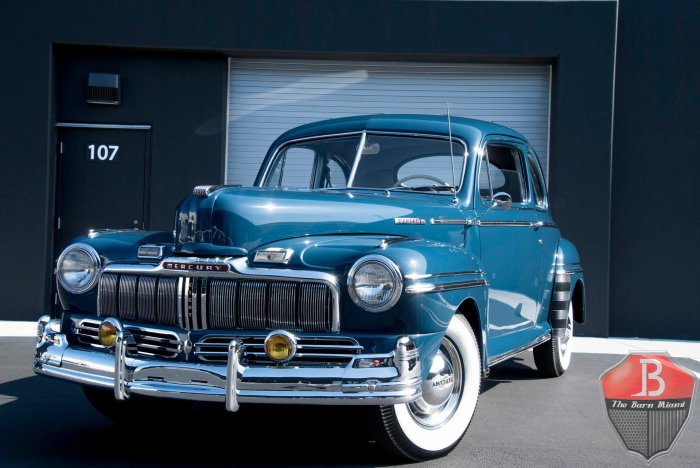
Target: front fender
(438, 280)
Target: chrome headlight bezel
(396, 280)
(92, 255)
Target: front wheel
(435, 423)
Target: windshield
(397, 162)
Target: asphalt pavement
(521, 420)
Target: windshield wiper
(424, 188)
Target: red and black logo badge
(648, 397)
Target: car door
(546, 232)
(509, 246)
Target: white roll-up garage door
(268, 97)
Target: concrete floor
(521, 420)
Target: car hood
(233, 221)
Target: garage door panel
(268, 97)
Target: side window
(502, 170)
(335, 176)
(293, 169)
(537, 180)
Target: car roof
(469, 129)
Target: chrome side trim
(478, 222)
(502, 357)
(454, 221)
(105, 126)
(569, 272)
(238, 269)
(420, 288)
(419, 276)
(507, 223)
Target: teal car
(387, 261)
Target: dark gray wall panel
(576, 37)
(180, 96)
(656, 167)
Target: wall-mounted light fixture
(104, 88)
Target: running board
(502, 357)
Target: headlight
(77, 268)
(375, 283)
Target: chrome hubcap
(441, 390)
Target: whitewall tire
(554, 357)
(435, 423)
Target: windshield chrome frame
(363, 138)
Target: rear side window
(538, 187)
(502, 170)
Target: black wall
(577, 38)
(656, 172)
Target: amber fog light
(280, 346)
(107, 334)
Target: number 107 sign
(102, 153)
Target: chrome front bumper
(234, 382)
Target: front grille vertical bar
(222, 303)
(283, 305)
(185, 303)
(179, 302)
(167, 300)
(107, 295)
(203, 303)
(252, 305)
(194, 301)
(127, 297)
(146, 299)
(314, 307)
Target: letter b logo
(646, 376)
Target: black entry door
(101, 180)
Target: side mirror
(501, 199)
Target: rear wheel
(136, 408)
(435, 423)
(553, 357)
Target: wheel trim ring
(441, 414)
(564, 349)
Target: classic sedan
(386, 261)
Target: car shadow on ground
(517, 368)
(48, 422)
(51, 422)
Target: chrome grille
(148, 342)
(311, 351)
(196, 303)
